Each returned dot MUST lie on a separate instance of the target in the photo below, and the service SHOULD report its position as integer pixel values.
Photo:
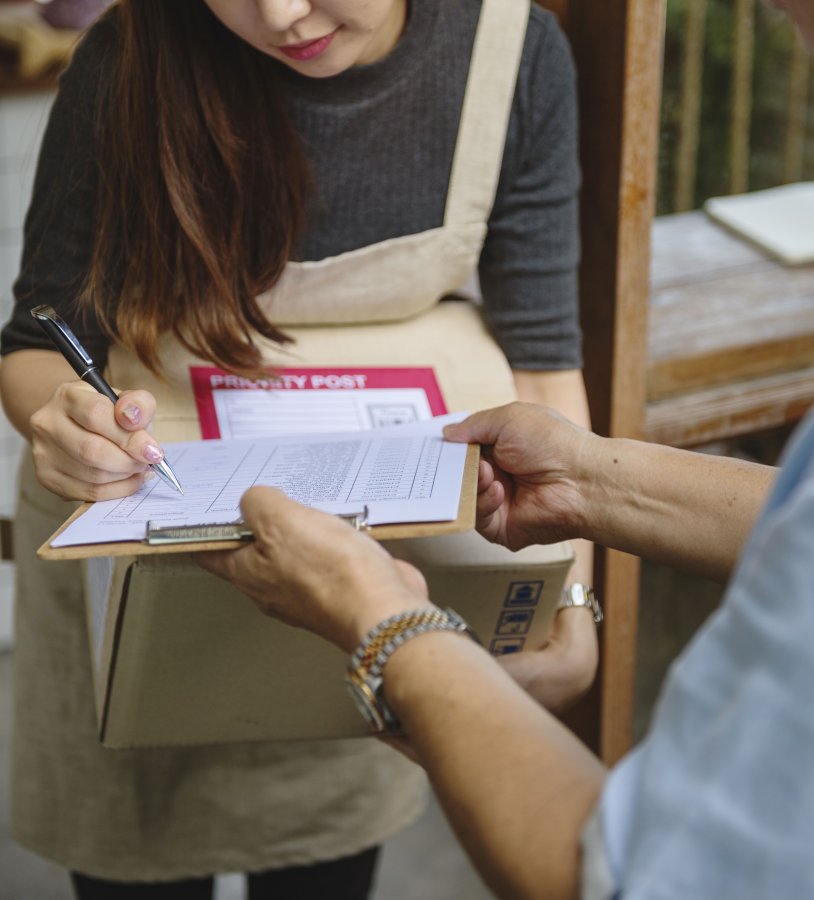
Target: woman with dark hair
(231, 182)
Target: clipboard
(230, 536)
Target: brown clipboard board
(464, 522)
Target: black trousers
(349, 878)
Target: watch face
(366, 704)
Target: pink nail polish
(152, 453)
(133, 414)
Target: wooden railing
(683, 157)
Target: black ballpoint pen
(75, 354)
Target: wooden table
(730, 336)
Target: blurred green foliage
(770, 86)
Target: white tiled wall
(22, 119)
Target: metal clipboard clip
(358, 521)
(160, 535)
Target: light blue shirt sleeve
(718, 801)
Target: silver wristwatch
(581, 595)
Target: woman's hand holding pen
(86, 448)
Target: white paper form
(407, 474)
(251, 413)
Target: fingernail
(147, 476)
(152, 453)
(132, 414)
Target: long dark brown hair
(202, 186)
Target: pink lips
(308, 49)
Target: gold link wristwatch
(364, 675)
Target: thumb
(135, 410)
(479, 428)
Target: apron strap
(486, 108)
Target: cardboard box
(181, 658)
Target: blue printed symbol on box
(524, 593)
(505, 646)
(516, 621)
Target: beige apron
(171, 813)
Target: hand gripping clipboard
(229, 536)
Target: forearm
(28, 379)
(690, 510)
(505, 771)
(560, 390)
(516, 786)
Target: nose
(280, 15)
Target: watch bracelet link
(364, 673)
(581, 595)
(380, 660)
(378, 636)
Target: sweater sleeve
(528, 266)
(59, 224)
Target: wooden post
(692, 72)
(618, 46)
(798, 110)
(741, 120)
